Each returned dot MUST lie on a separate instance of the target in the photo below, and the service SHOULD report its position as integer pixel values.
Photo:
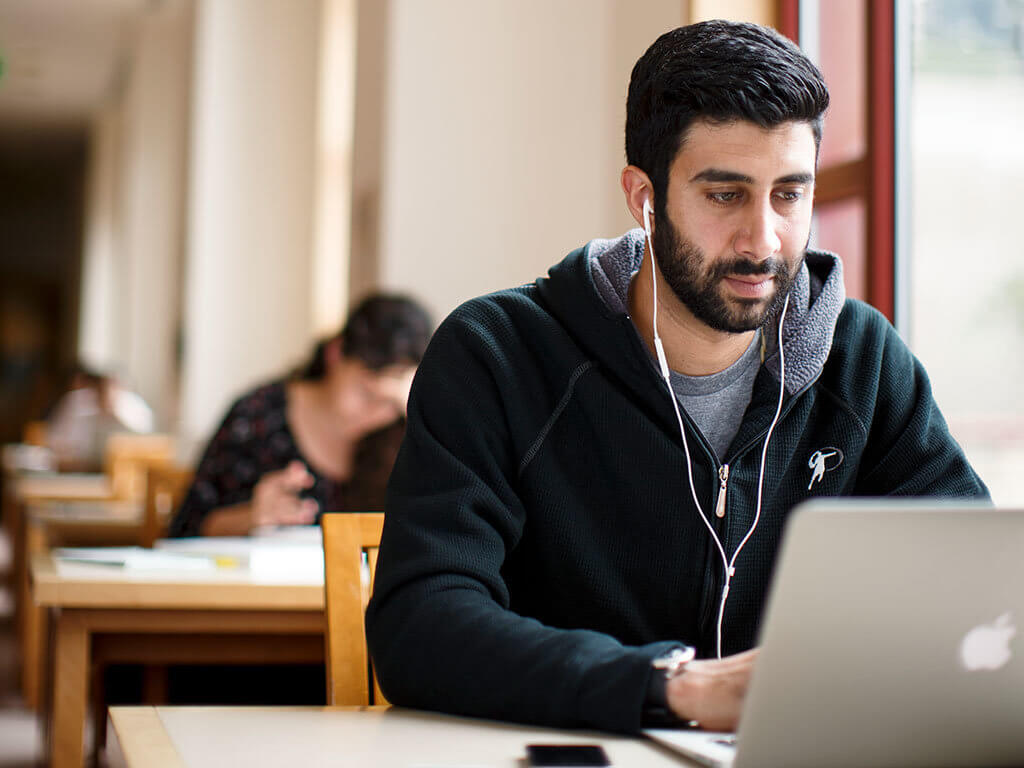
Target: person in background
(323, 439)
(95, 406)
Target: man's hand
(276, 501)
(711, 691)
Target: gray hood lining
(816, 299)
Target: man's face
(738, 217)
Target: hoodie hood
(816, 299)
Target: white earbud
(658, 347)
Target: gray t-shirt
(716, 403)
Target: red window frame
(872, 177)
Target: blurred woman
(322, 440)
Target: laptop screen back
(890, 639)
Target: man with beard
(597, 468)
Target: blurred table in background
(192, 601)
(42, 508)
(22, 491)
(48, 524)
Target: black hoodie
(541, 545)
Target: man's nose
(759, 238)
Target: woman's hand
(276, 499)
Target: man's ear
(637, 187)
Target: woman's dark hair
(382, 330)
(718, 71)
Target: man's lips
(750, 286)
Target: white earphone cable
(666, 375)
(729, 565)
(731, 569)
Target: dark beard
(682, 265)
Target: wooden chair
(128, 456)
(347, 536)
(34, 433)
(165, 490)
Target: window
(965, 267)
(852, 43)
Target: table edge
(137, 737)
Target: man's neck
(691, 347)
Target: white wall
(134, 218)
(251, 200)
(154, 153)
(333, 164)
(98, 308)
(370, 138)
(757, 11)
(504, 137)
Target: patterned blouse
(255, 438)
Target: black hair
(382, 330)
(75, 376)
(718, 71)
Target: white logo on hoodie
(822, 461)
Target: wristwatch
(656, 712)
(674, 662)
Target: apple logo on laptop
(987, 646)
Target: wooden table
(242, 615)
(62, 485)
(47, 524)
(22, 487)
(343, 737)
(22, 492)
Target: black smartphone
(566, 755)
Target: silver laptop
(890, 639)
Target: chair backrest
(129, 455)
(34, 433)
(165, 490)
(347, 536)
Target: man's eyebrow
(719, 175)
(716, 174)
(796, 178)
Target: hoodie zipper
(713, 572)
(723, 480)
